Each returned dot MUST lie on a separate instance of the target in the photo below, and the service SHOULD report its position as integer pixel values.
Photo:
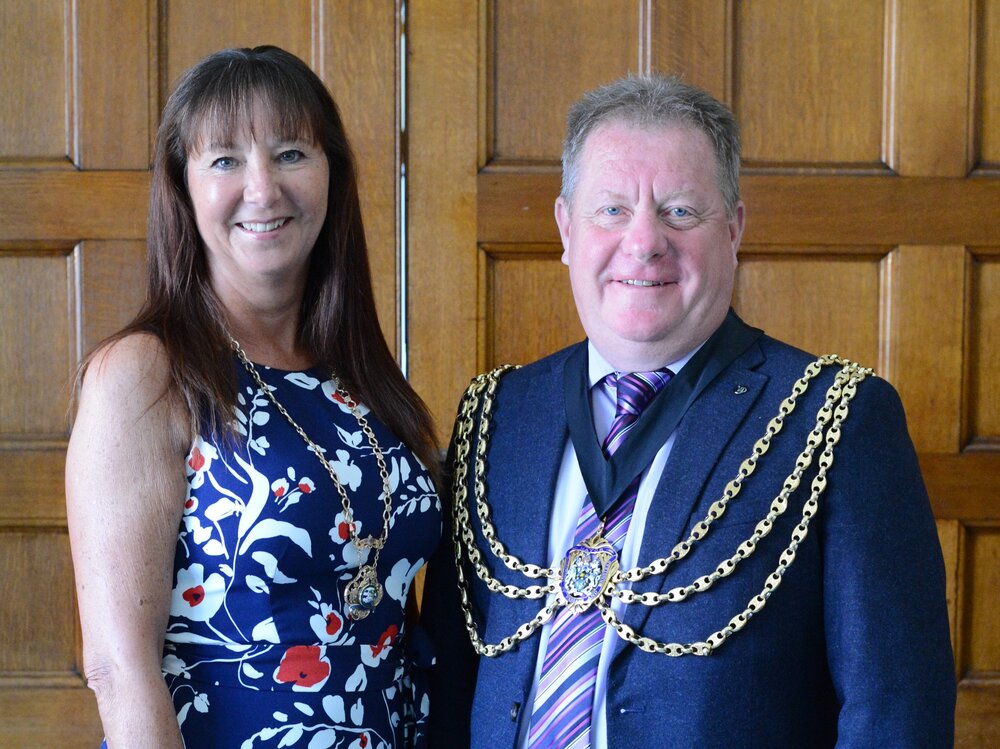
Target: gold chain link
(825, 433)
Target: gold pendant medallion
(586, 572)
(363, 593)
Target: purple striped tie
(564, 701)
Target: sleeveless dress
(259, 651)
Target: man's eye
(678, 212)
(613, 210)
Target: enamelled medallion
(587, 572)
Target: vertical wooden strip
(114, 85)
(950, 535)
(926, 353)
(441, 173)
(692, 38)
(933, 119)
(359, 66)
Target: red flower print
(301, 665)
(337, 397)
(333, 623)
(189, 504)
(388, 638)
(363, 740)
(344, 530)
(197, 460)
(194, 595)
(305, 488)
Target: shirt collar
(598, 367)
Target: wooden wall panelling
(931, 109)
(926, 311)
(986, 85)
(828, 300)
(112, 278)
(358, 61)
(693, 39)
(34, 85)
(112, 130)
(441, 177)
(191, 29)
(984, 354)
(540, 66)
(529, 304)
(826, 109)
(950, 534)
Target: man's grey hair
(655, 101)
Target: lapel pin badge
(740, 389)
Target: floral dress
(259, 651)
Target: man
(793, 583)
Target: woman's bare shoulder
(129, 380)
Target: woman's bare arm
(125, 492)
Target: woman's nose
(263, 185)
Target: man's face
(650, 250)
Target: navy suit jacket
(851, 650)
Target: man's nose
(645, 237)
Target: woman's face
(259, 204)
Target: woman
(247, 481)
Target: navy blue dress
(259, 651)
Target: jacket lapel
(706, 429)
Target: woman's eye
(223, 162)
(291, 156)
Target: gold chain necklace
(364, 592)
(822, 438)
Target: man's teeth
(269, 226)
(633, 282)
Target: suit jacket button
(515, 708)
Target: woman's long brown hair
(338, 322)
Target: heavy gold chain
(825, 434)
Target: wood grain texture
(693, 39)
(40, 716)
(827, 107)
(963, 487)
(987, 86)
(536, 76)
(32, 469)
(926, 311)
(35, 87)
(782, 209)
(981, 605)
(984, 354)
(112, 286)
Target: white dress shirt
(566, 505)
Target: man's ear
(736, 225)
(563, 222)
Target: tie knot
(633, 392)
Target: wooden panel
(192, 30)
(797, 210)
(359, 66)
(950, 535)
(988, 83)
(531, 65)
(984, 401)
(443, 41)
(926, 313)
(976, 724)
(47, 717)
(39, 578)
(692, 38)
(981, 637)
(34, 87)
(529, 305)
(114, 85)
(36, 471)
(827, 107)
(963, 487)
(113, 278)
(829, 303)
(73, 205)
(930, 129)
(33, 395)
